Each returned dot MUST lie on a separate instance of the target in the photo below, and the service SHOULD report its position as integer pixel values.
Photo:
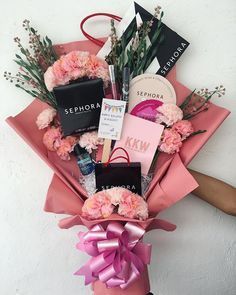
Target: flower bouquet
(116, 218)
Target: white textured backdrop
(36, 258)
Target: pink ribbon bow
(118, 254)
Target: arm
(215, 192)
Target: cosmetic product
(141, 143)
(147, 109)
(150, 86)
(79, 105)
(84, 160)
(113, 81)
(125, 86)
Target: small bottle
(84, 160)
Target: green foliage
(138, 55)
(33, 62)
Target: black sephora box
(126, 175)
(79, 105)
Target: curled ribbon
(118, 254)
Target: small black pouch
(126, 175)
(79, 105)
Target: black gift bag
(126, 174)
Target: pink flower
(102, 204)
(171, 141)
(59, 72)
(169, 114)
(65, 146)
(45, 118)
(94, 63)
(142, 209)
(75, 65)
(118, 193)
(51, 136)
(63, 150)
(54, 142)
(90, 141)
(72, 140)
(98, 68)
(50, 79)
(184, 128)
(133, 206)
(98, 206)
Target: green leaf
(18, 56)
(18, 62)
(210, 96)
(162, 38)
(33, 30)
(187, 100)
(130, 32)
(26, 77)
(48, 40)
(23, 51)
(197, 132)
(35, 92)
(44, 43)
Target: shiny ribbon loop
(118, 254)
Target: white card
(111, 118)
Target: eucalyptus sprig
(33, 61)
(132, 49)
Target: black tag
(126, 175)
(172, 47)
(79, 105)
(169, 50)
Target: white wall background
(36, 258)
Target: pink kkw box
(140, 139)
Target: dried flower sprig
(33, 62)
(43, 49)
(132, 49)
(197, 102)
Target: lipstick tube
(113, 81)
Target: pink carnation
(97, 68)
(171, 141)
(54, 142)
(75, 65)
(118, 193)
(102, 204)
(90, 141)
(45, 118)
(133, 206)
(98, 206)
(65, 146)
(169, 114)
(184, 128)
(51, 136)
(50, 79)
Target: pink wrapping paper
(171, 182)
(160, 195)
